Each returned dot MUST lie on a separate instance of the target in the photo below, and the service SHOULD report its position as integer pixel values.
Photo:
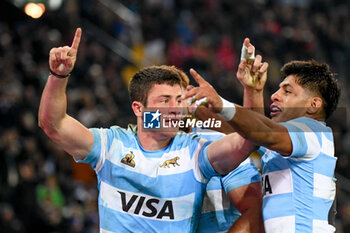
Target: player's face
(290, 101)
(168, 99)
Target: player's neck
(317, 116)
(153, 141)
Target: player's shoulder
(115, 129)
(307, 124)
(306, 120)
(208, 134)
(189, 140)
(186, 137)
(244, 168)
(117, 132)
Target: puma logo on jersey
(172, 161)
(128, 159)
(147, 206)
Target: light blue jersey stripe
(323, 163)
(183, 183)
(127, 223)
(93, 157)
(150, 186)
(218, 221)
(275, 206)
(322, 207)
(243, 175)
(271, 157)
(300, 185)
(219, 213)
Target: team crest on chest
(128, 159)
(172, 161)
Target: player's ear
(315, 105)
(137, 107)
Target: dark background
(41, 188)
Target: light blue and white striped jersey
(218, 213)
(299, 189)
(149, 191)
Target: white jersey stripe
(279, 182)
(102, 157)
(306, 192)
(324, 186)
(281, 225)
(152, 188)
(313, 146)
(105, 231)
(197, 171)
(215, 200)
(111, 198)
(327, 146)
(151, 167)
(320, 226)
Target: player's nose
(174, 106)
(275, 96)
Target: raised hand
(204, 90)
(252, 73)
(62, 59)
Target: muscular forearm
(204, 113)
(53, 104)
(250, 221)
(228, 152)
(67, 132)
(248, 201)
(254, 99)
(261, 130)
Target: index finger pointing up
(197, 77)
(76, 41)
(250, 47)
(246, 42)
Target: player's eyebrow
(285, 85)
(169, 96)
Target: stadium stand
(41, 188)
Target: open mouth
(274, 110)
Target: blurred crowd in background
(41, 188)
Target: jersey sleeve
(261, 151)
(246, 173)
(209, 136)
(305, 134)
(102, 142)
(204, 164)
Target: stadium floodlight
(34, 10)
(52, 5)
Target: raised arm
(258, 128)
(252, 126)
(227, 153)
(252, 75)
(64, 130)
(221, 154)
(261, 130)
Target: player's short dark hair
(142, 81)
(317, 78)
